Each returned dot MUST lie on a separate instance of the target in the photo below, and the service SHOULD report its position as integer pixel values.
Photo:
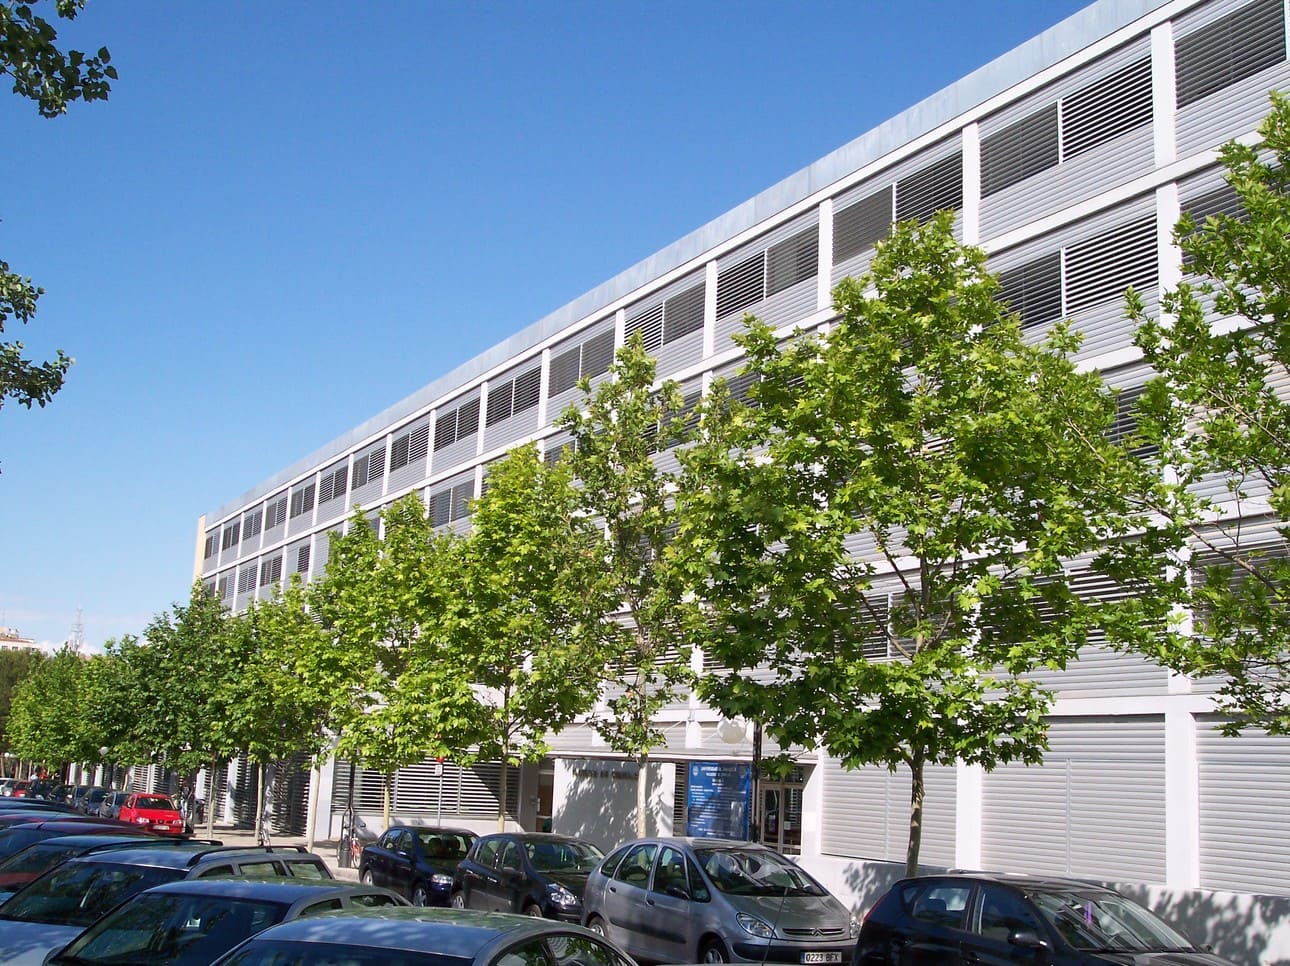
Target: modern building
(1068, 160)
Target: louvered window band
(741, 285)
(1034, 290)
(1230, 49)
(860, 226)
(1106, 109)
(1019, 151)
(937, 187)
(1103, 267)
(793, 260)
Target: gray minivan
(687, 900)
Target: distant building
(11, 639)
(1069, 160)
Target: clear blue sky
(290, 215)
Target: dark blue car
(417, 861)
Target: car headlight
(755, 927)
(140, 820)
(561, 896)
(442, 880)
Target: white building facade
(1068, 160)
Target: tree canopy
(879, 531)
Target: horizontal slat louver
(937, 187)
(1034, 290)
(501, 402)
(1101, 268)
(650, 326)
(683, 314)
(1228, 50)
(528, 387)
(597, 354)
(860, 226)
(564, 370)
(793, 260)
(1106, 108)
(741, 285)
(1023, 148)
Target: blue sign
(717, 799)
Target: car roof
(456, 933)
(182, 855)
(1018, 880)
(275, 888)
(99, 840)
(534, 837)
(432, 828)
(695, 841)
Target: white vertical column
(709, 308)
(971, 211)
(968, 813)
(1164, 94)
(1182, 802)
(824, 268)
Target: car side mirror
(1027, 939)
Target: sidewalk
(246, 837)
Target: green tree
(1219, 412)
(16, 665)
(617, 431)
(533, 592)
(48, 720)
(53, 78)
(397, 690)
(879, 533)
(266, 707)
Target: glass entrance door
(781, 817)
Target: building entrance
(780, 815)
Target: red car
(156, 813)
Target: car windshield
(563, 856)
(444, 845)
(264, 952)
(172, 928)
(79, 893)
(154, 801)
(38, 858)
(755, 872)
(1105, 921)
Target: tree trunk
(315, 779)
(389, 781)
(502, 781)
(915, 813)
(642, 795)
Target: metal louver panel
(1034, 290)
(597, 354)
(275, 512)
(858, 227)
(1023, 148)
(528, 388)
(683, 314)
(937, 187)
(564, 370)
(650, 326)
(1224, 52)
(501, 402)
(1101, 268)
(251, 523)
(866, 813)
(302, 560)
(1106, 108)
(468, 419)
(793, 260)
(1244, 783)
(741, 285)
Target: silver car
(686, 900)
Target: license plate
(830, 957)
(164, 827)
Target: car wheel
(365, 877)
(597, 925)
(713, 951)
(420, 895)
(458, 900)
(534, 910)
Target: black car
(534, 873)
(994, 918)
(416, 861)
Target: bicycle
(263, 831)
(348, 848)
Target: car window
(611, 864)
(635, 866)
(510, 857)
(582, 951)
(940, 904)
(669, 874)
(445, 845)
(1003, 912)
(172, 927)
(323, 905)
(308, 870)
(373, 900)
(262, 869)
(217, 871)
(698, 888)
(562, 856)
(388, 839)
(267, 952)
(487, 855)
(79, 893)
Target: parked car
(416, 861)
(52, 910)
(20, 788)
(534, 873)
(87, 802)
(198, 921)
(156, 813)
(38, 858)
(9, 806)
(410, 937)
(985, 918)
(15, 838)
(723, 901)
(110, 804)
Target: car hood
(575, 882)
(31, 942)
(797, 912)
